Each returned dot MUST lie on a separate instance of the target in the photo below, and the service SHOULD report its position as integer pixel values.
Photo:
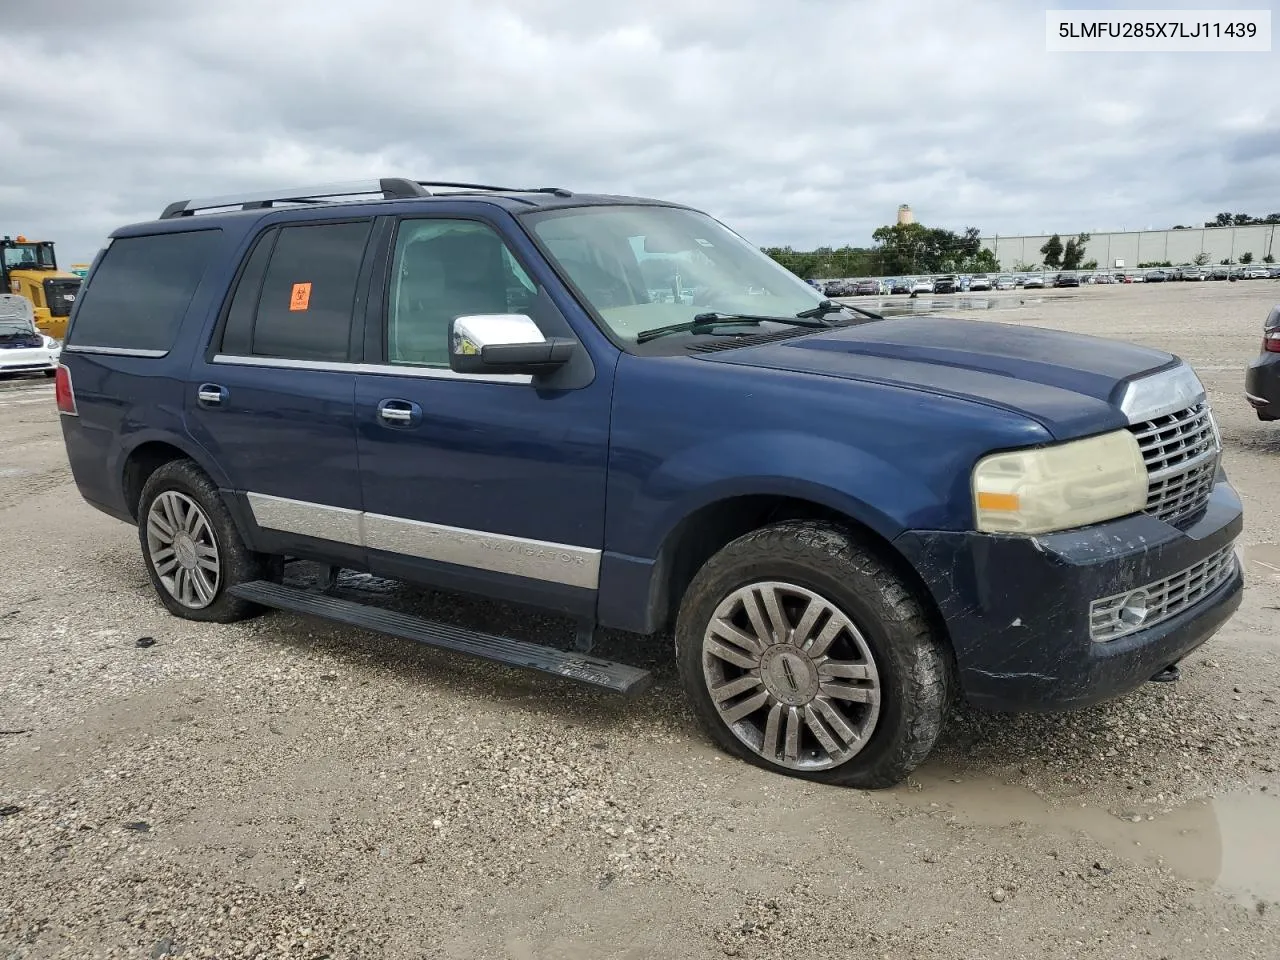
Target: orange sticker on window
(300, 299)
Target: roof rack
(390, 188)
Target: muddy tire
(191, 547)
(802, 652)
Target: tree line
(901, 248)
(1237, 220)
(913, 248)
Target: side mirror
(504, 343)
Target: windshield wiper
(830, 306)
(708, 321)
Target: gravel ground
(291, 788)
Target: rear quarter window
(141, 289)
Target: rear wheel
(191, 547)
(802, 652)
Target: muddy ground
(286, 787)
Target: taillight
(63, 393)
(1272, 342)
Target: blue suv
(620, 410)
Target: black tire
(914, 665)
(236, 562)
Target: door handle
(211, 395)
(399, 413)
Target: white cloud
(802, 123)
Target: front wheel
(803, 653)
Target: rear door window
(237, 335)
(304, 309)
(140, 291)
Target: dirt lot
(289, 788)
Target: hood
(1070, 383)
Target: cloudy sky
(801, 122)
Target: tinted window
(141, 289)
(443, 269)
(304, 311)
(237, 335)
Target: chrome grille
(1124, 613)
(1181, 451)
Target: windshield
(28, 255)
(10, 326)
(645, 267)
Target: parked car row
(960, 283)
(883, 286)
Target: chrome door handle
(211, 395)
(399, 413)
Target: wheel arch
(708, 529)
(146, 454)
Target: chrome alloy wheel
(791, 676)
(184, 551)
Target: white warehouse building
(1131, 247)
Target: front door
(274, 399)
(476, 483)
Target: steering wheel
(601, 287)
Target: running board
(618, 677)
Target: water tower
(904, 214)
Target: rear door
(272, 399)
(478, 483)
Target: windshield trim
(528, 219)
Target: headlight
(1060, 487)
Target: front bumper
(1018, 608)
(1262, 386)
(28, 360)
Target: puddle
(1232, 841)
(1263, 559)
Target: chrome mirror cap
(471, 334)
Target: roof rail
(557, 191)
(391, 188)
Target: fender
(792, 464)
(802, 466)
(780, 463)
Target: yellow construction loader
(30, 270)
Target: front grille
(1181, 451)
(1124, 613)
(60, 295)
